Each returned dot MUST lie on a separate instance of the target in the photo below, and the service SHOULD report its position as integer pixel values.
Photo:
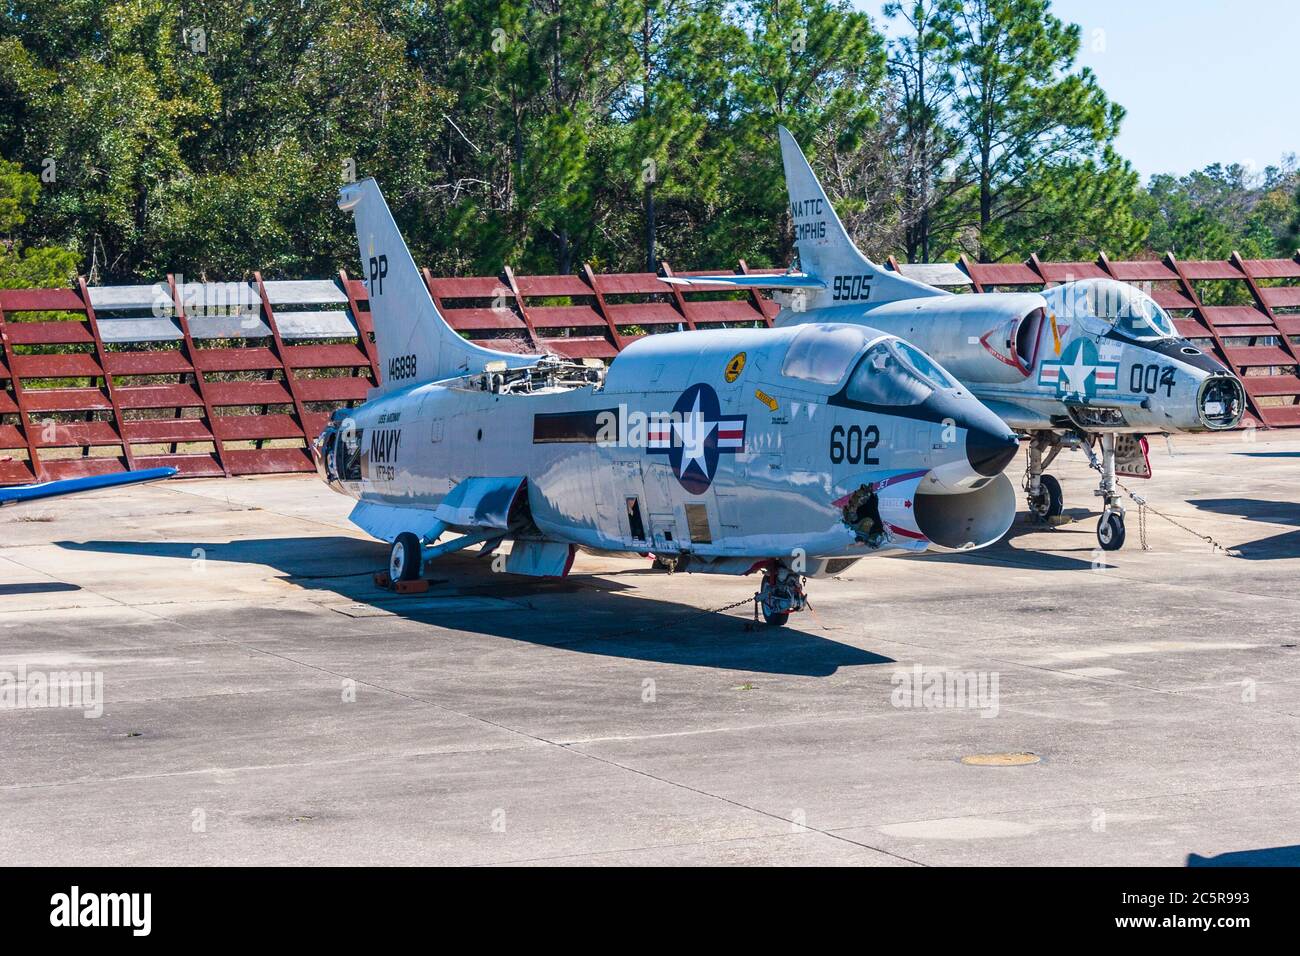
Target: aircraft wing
(473, 506)
(386, 522)
(73, 486)
(1016, 416)
(478, 508)
(790, 280)
(1026, 410)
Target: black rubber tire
(776, 620)
(1110, 531)
(1050, 502)
(406, 560)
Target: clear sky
(1203, 81)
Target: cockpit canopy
(895, 372)
(892, 372)
(822, 353)
(1120, 306)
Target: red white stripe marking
(731, 434)
(915, 535)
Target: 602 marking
(854, 444)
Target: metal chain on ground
(1144, 506)
(813, 611)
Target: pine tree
(1024, 114)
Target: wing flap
(480, 503)
(473, 505)
(543, 559)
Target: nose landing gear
(1043, 492)
(1110, 530)
(1110, 526)
(780, 595)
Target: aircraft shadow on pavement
(1284, 545)
(37, 587)
(1265, 856)
(600, 619)
(1075, 537)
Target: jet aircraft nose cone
(988, 451)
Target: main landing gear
(406, 560)
(780, 595)
(1047, 501)
(1043, 491)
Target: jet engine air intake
(1028, 335)
(970, 520)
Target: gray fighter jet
(790, 453)
(1091, 362)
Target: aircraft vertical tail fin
(825, 249)
(832, 270)
(414, 341)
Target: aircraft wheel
(1110, 531)
(775, 619)
(406, 560)
(1049, 502)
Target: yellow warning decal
(735, 367)
(766, 399)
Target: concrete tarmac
(1038, 702)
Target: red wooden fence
(97, 380)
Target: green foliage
(1007, 130)
(45, 267)
(18, 191)
(922, 66)
(1291, 235)
(1210, 213)
(210, 139)
(1069, 210)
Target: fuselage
(1075, 357)
(725, 445)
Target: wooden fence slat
(582, 319)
